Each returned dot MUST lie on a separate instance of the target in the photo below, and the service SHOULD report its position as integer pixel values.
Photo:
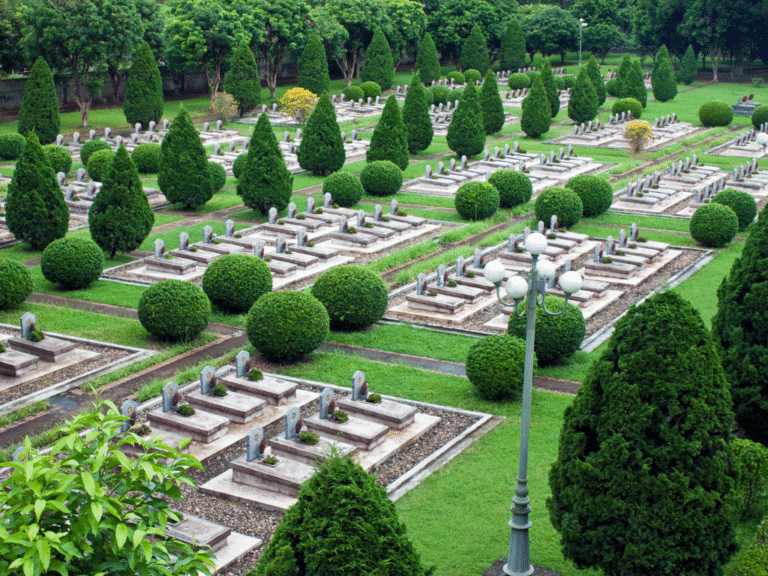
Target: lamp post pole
(582, 25)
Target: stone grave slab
(179, 266)
(323, 252)
(417, 231)
(274, 391)
(358, 432)
(478, 282)
(358, 240)
(407, 311)
(468, 293)
(396, 440)
(439, 303)
(285, 477)
(237, 407)
(49, 349)
(200, 256)
(14, 363)
(394, 415)
(309, 454)
(301, 261)
(201, 426)
(624, 204)
(614, 270)
(639, 277)
(222, 248)
(201, 534)
(43, 368)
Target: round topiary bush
(562, 202)
(354, 297)
(58, 157)
(612, 87)
(15, 283)
(595, 192)
(98, 164)
(714, 224)
(556, 336)
(345, 189)
(532, 75)
(235, 281)
(439, 94)
(11, 146)
(495, 366)
(381, 178)
(514, 187)
(284, 326)
(174, 310)
(760, 116)
(477, 200)
(457, 77)
(72, 262)
(238, 165)
(559, 82)
(146, 157)
(569, 81)
(628, 104)
(370, 89)
(472, 76)
(455, 95)
(716, 113)
(428, 97)
(353, 93)
(518, 81)
(90, 147)
(218, 175)
(742, 203)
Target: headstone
(622, 238)
(633, 232)
(560, 154)
(152, 125)
(542, 159)
(463, 162)
(452, 165)
(169, 391)
(326, 397)
(292, 417)
(477, 258)
(28, 323)
(299, 133)
(441, 275)
(623, 116)
(219, 124)
(76, 138)
(421, 283)
(273, 215)
(698, 195)
(516, 147)
(551, 157)
(258, 249)
(359, 386)
(343, 98)
(511, 239)
(377, 212)
(526, 232)
(506, 149)
(207, 235)
(119, 140)
(183, 241)
(596, 253)
(343, 225)
(128, 409)
(310, 205)
(360, 218)
(687, 165)
(553, 223)
(344, 137)
(460, 266)
(440, 168)
(369, 101)
(91, 135)
(90, 189)
(217, 149)
(281, 246)
(107, 132)
(301, 237)
(263, 108)
(206, 376)
(486, 155)
(393, 206)
(166, 122)
(229, 228)
(246, 144)
(206, 127)
(674, 117)
(291, 210)
(286, 136)
(609, 245)
(428, 171)
(569, 153)
(694, 161)
(274, 108)
(327, 200)
(159, 247)
(589, 126)
(61, 178)
(81, 174)
(253, 444)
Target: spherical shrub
(11, 146)
(514, 187)
(595, 192)
(455, 95)
(72, 262)
(370, 89)
(625, 104)
(477, 200)
(439, 94)
(58, 157)
(495, 366)
(174, 310)
(428, 97)
(612, 87)
(90, 147)
(760, 116)
(714, 224)
(556, 336)
(559, 82)
(457, 77)
(146, 157)
(569, 81)
(345, 189)
(235, 281)
(98, 164)
(15, 283)
(562, 202)
(218, 175)
(354, 297)
(381, 178)
(716, 113)
(238, 165)
(472, 75)
(284, 326)
(742, 203)
(353, 93)
(532, 75)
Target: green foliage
(219, 390)
(427, 63)
(454, 96)
(39, 110)
(143, 101)
(457, 77)
(58, 157)
(514, 187)
(370, 89)
(532, 75)
(550, 87)
(623, 74)
(284, 326)
(663, 78)
(512, 49)
(235, 281)
(612, 87)
(185, 410)
(474, 52)
(595, 192)
(308, 438)
(218, 175)
(98, 164)
(495, 366)
(378, 65)
(477, 200)
(569, 81)
(345, 189)
(466, 133)
(624, 104)
(752, 458)
(742, 203)
(491, 105)
(439, 94)
(353, 93)
(242, 79)
(174, 310)
(381, 178)
(321, 150)
(645, 481)
(582, 106)
(518, 81)
(688, 67)
(36, 336)
(146, 157)
(389, 140)
(561, 202)
(760, 116)
(313, 67)
(537, 112)
(238, 165)
(754, 561)
(354, 297)
(74, 263)
(11, 146)
(416, 118)
(15, 283)
(634, 85)
(593, 72)
(472, 76)
(714, 224)
(90, 147)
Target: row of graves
(745, 105)
(514, 98)
(346, 111)
(748, 144)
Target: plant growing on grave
(370, 90)
(11, 146)
(254, 375)
(242, 80)
(2, 348)
(476, 200)
(595, 192)
(185, 410)
(321, 150)
(687, 72)
(752, 459)
(550, 88)
(716, 113)
(298, 103)
(490, 105)
(583, 106)
(219, 390)
(174, 310)
(381, 178)
(270, 460)
(378, 64)
(351, 230)
(218, 175)
(561, 202)
(537, 112)
(514, 187)
(313, 67)
(663, 78)
(73, 263)
(90, 147)
(354, 297)
(593, 71)
(418, 123)
(474, 52)
(235, 282)
(627, 104)
(340, 416)
(389, 140)
(606, 260)
(36, 336)
(427, 63)
(345, 189)
(759, 116)
(495, 366)
(714, 224)
(518, 81)
(309, 437)
(143, 102)
(353, 93)
(98, 164)
(742, 203)
(58, 157)
(39, 111)
(466, 132)
(472, 76)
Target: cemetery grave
(744, 145)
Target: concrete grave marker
(90, 189)
(241, 360)
(421, 283)
(310, 205)
(326, 397)
(360, 218)
(206, 127)
(393, 207)
(359, 386)
(253, 444)
(128, 409)
(183, 241)
(291, 210)
(81, 174)
(170, 398)
(292, 418)
(377, 212)
(281, 246)
(207, 379)
(301, 237)
(460, 266)
(229, 228)
(208, 235)
(441, 275)
(219, 124)
(273, 215)
(28, 323)
(107, 132)
(91, 135)
(343, 225)
(159, 247)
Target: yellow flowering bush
(299, 103)
(638, 133)
(224, 107)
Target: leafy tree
(634, 86)
(322, 150)
(389, 140)
(39, 112)
(11, 56)
(537, 111)
(450, 23)
(242, 80)
(378, 65)
(599, 39)
(144, 89)
(512, 50)
(593, 72)
(35, 209)
(491, 105)
(621, 76)
(596, 12)
(427, 63)
(474, 51)
(265, 180)
(466, 132)
(313, 67)
(550, 88)
(551, 31)
(646, 29)
(183, 176)
(582, 106)
(649, 430)
(407, 25)
(418, 123)
(120, 217)
(688, 67)
(663, 78)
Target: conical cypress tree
(427, 62)
(466, 132)
(35, 209)
(623, 74)
(143, 101)
(662, 51)
(550, 88)
(265, 180)
(183, 176)
(313, 67)
(593, 71)
(39, 110)
(582, 107)
(491, 105)
(389, 140)
(418, 123)
(120, 217)
(663, 78)
(378, 65)
(645, 481)
(321, 150)
(634, 86)
(688, 67)
(537, 112)
(242, 80)
(474, 52)
(512, 50)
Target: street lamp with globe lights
(530, 288)
(582, 25)
(762, 138)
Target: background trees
(551, 31)
(144, 89)
(39, 112)
(313, 67)
(242, 80)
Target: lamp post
(518, 287)
(762, 139)
(582, 25)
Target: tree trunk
(83, 97)
(116, 79)
(714, 68)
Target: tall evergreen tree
(593, 71)
(474, 52)
(265, 180)
(634, 86)
(418, 123)
(35, 209)
(582, 106)
(120, 217)
(663, 78)
(466, 132)
(379, 64)
(688, 67)
(389, 140)
(183, 176)
(427, 62)
(313, 67)
(143, 102)
(512, 50)
(550, 87)
(242, 80)
(623, 73)
(537, 112)
(39, 110)
(491, 105)
(322, 150)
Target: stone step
(201, 426)
(237, 407)
(14, 363)
(49, 349)
(439, 303)
(285, 477)
(395, 415)
(361, 433)
(273, 390)
(309, 454)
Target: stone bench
(273, 390)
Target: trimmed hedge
(714, 224)
(353, 93)
(495, 366)
(354, 297)
(284, 326)
(742, 203)
(238, 165)
(562, 202)
(98, 164)
(218, 175)
(11, 146)
(174, 310)
(236, 281)
(556, 336)
(457, 77)
(146, 157)
(477, 200)
(381, 178)
(624, 104)
(345, 189)
(716, 113)
(472, 76)
(518, 81)
(370, 89)
(760, 116)
(455, 95)
(439, 94)
(514, 187)
(74, 263)
(15, 283)
(58, 157)
(90, 147)
(595, 192)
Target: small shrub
(354, 297)
(185, 410)
(236, 281)
(90, 147)
(612, 87)
(514, 187)
(429, 98)
(218, 175)
(309, 437)
(174, 310)
(759, 116)
(254, 375)
(495, 366)
(607, 260)
(569, 81)
(345, 189)
(11, 146)
(2, 348)
(98, 164)
(36, 336)
(72, 262)
(58, 157)
(219, 390)
(595, 192)
(714, 224)
(224, 107)
(146, 157)
(532, 74)
(439, 94)
(716, 113)
(353, 93)
(752, 458)
(298, 103)
(455, 95)
(556, 336)
(381, 178)
(477, 200)
(561, 202)
(142, 430)
(457, 77)
(340, 416)
(742, 203)
(15, 283)
(374, 398)
(370, 89)
(270, 460)
(239, 165)
(638, 133)
(472, 76)
(754, 560)
(628, 104)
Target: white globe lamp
(570, 282)
(494, 271)
(516, 287)
(536, 243)
(546, 269)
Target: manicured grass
(643, 222)
(22, 413)
(154, 388)
(604, 232)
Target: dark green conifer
(663, 78)
(593, 71)
(378, 64)
(491, 105)
(550, 87)
(242, 80)
(418, 123)
(474, 52)
(389, 140)
(143, 102)
(688, 67)
(466, 132)
(35, 209)
(512, 50)
(582, 106)
(427, 62)
(623, 74)
(537, 111)
(634, 86)
(321, 150)
(39, 110)
(120, 217)
(313, 67)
